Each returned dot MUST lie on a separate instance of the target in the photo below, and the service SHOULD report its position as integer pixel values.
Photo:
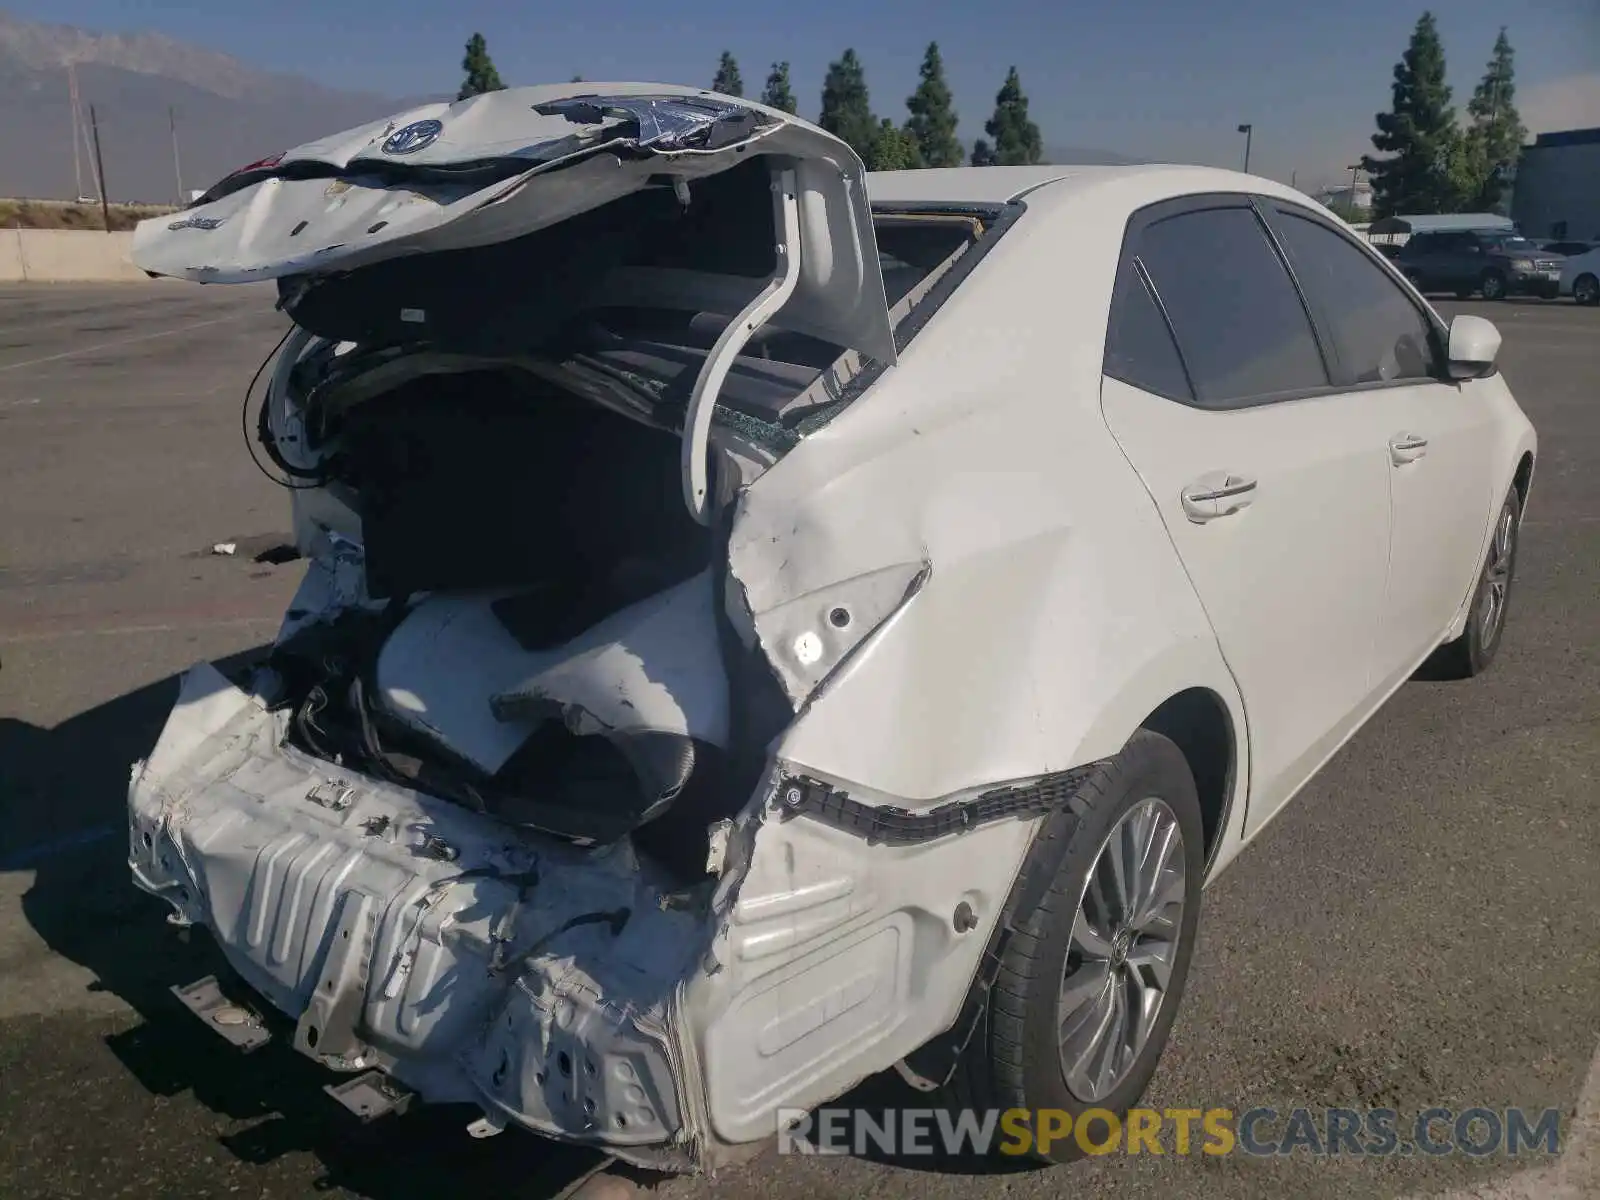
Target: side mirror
(1474, 345)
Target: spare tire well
(1197, 721)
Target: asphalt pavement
(1421, 927)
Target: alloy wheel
(1586, 290)
(1125, 937)
(1497, 578)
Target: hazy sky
(1164, 79)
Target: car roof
(1145, 182)
(973, 185)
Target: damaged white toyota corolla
(754, 638)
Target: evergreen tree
(479, 68)
(1422, 171)
(933, 119)
(1494, 138)
(777, 94)
(1016, 139)
(983, 154)
(846, 110)
(728, 81)
(894, 149)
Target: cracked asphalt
(1421, 927)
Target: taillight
(262, 164)
(234, 180)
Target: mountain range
(226, 113)
(142, 85)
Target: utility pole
(100, 169)
(77, 131)
(177, 171)
(1247, 131)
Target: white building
(1358, 197)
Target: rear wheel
(1472, 652)
(1586, 289)
(1492, 285)
(1091, 980)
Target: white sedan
(1580, 276)
(754, 637)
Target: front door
(1438, 435)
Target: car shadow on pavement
(268, 1105)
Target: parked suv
(1493, 263)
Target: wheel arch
(1198, 722)
(1522, 478)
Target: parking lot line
(127, 341)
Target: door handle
(1217, 495)
(1407, 447)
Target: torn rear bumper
(467, 960)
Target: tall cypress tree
(778, 94)
(933, 117)
(1017, 141)
(1419, 134)
(728, 81)
(479, 68)
(846, 109)
(1495, 136)
(983, 154)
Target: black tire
(1014, 1059)
(1586, 289)
(1492, 285)
(1472, 652)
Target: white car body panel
(1587, 263)
(1439, 504)
(1291, 594)
(1002, 525)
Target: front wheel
(1091, 979)
(1472, 652)
(1493, 285)
(1586, 289)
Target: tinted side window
(1139, 346)
(1239, 321)
(1377, 332)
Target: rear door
(1440, 435)
(1271, 482)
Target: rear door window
(1378, 334)
(1239, 321)
(1139, 346)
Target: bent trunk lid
(475, 172)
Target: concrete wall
(65, 256)
(1558, 183)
